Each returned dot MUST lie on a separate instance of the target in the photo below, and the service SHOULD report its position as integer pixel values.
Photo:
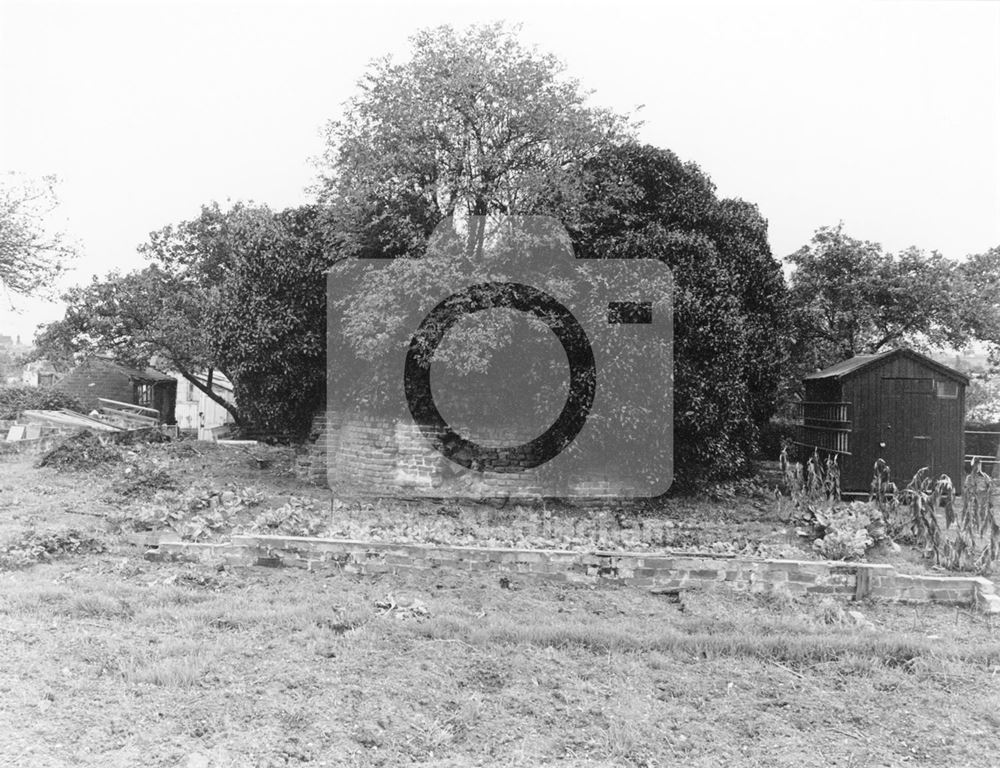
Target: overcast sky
(883, 114)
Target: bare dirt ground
(111, 660)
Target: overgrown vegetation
(14, 399)
(198, 511)
(837, 531)
(81, 450)
(968, 539)
(141, 479)
(35, 547)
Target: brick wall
(651, 570)
(380, 456)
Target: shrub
(14, 399)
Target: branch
(211, 394)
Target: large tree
(32, 252)
(474, 123)
(239, 291)
(139, 317)
(731, 327)
(849, 297)
(269, 324)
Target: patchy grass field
(201, 491)
(109, 660)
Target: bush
(14, 399)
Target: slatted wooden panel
(903, 410)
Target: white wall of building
(196, 410)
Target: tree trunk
(230, 407)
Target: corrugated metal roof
(857, 363)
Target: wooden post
(862, 583)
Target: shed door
(908, 425)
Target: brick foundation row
(650, 570)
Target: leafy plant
(33, 547)
(299, 517)
(14, 399)
(837, 531)
(846, 532)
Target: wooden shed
(100, 377)
(900, 406)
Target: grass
(118, 664)
(109, 660)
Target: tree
(849, 297)
(31, 254)
(269, 325)
(474, 122)
(731, 330)
(979, 299)
(239, 291)
(136, 317)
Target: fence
(986, 447)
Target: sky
(884, 115)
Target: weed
(170, 672)
(975, 544)
(33, 547)
(299, 517)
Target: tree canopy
(239, 291)
(473, 122)
(32, 253)
(731, 330)
(849, 297)
(978, 302)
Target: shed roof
(855, 365)
(145, 375)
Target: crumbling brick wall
(664, 570)
(382, 456)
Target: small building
(197, 411)
(900, 406)
(98, 378)
(39, 373)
